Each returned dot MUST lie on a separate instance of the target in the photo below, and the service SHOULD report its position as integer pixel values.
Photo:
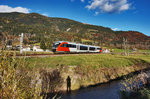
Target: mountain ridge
(55, 28)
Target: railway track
(69, 54)
(51, 55)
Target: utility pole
(124, 44)
(21, 41)
(126, 47)
(149, 49)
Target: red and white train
(69, 47)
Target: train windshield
(56, 45)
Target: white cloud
(82, 0)
(109, 6)
(72, 0)
(96, 13)
(115, 29)
(6, 8)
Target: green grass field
(138, 51)
(95, 61)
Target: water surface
(104, 91)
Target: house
(37, 49)
(106, 51)
(9, 47)
(26, 49)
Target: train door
(78, 47)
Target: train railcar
(70, 47)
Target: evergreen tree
(42, 44)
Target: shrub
(16, 81)
(132, 88)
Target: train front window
(56, 45)
(92, 48)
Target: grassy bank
(86, 70)
(95, 61)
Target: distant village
(9, 46)
(26, 48)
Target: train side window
(92, 48)
(64, 45)
(68, 45)
(83, 48)
(71, 46)
(99, 49)
(74, 46)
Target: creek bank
(54, 80)
(113, 89)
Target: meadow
(95, 61)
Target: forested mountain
(37, 27)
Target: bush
(16, 81)
(144, 93)
(132, 88)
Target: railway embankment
(85, 70)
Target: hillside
(35, 27)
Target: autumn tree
(49, 44)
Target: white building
(9, 47)
(26, 49)
(106, 51)
(37, 49)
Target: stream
(104, 91)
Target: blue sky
(116, 14)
